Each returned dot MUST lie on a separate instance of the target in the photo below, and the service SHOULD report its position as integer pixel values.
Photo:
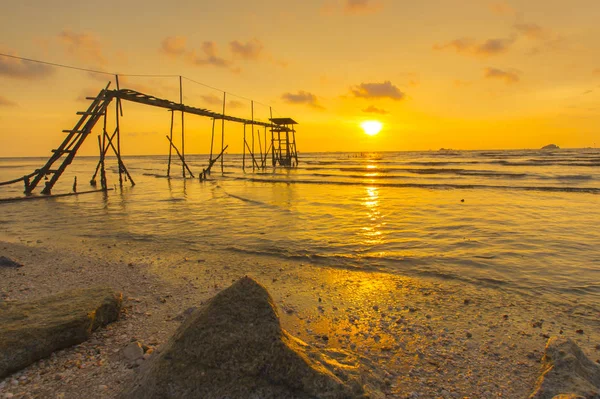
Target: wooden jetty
(282, 146)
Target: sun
(371, 127)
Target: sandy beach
(423, 338)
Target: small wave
(442, 186)
(574, 177)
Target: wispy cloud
(378, 90)
(502, 8)
(371, 109)
(212, 99)
(174, 46)
(302, 97)
(235, 104)
(532, 31)
(250, 50)
(5, 102)
(470, 46)
(509, 77)
(351, 7)
(19, 69)
(361, 6)
(83, 46)
(208, 56)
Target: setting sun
(371, 127)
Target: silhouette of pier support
(282, 149)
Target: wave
(440, 186)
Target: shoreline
(424, 338)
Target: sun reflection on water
(372, 234)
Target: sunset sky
(463, 74)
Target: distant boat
(551, 147)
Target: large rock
(30, 331)
(567, 372)
(234, 347)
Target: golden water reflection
(372, 232)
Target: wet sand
(424, 338)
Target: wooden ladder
(67, 150)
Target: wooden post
(244, 151)
(272, 137)
(223, 132)
(259, 146)
(180, 157)
(252, 114)
(264, 163)
(118, 111)
(212, 140)
(182, 128)
(170, 148)
(102, 171)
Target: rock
(234, 347)
(566, 373)
(33, 330)
(132, 352)
(551, 147)
(7, 262)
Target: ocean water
(521, 221)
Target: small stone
(102, 387)
(469, 335)
(132, 352)
(580, 331)
(467, 301)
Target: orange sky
(465, 74)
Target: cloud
(250, 50)
(371, 109)
(212, 99)
(471, 47)
(378, 90)
(208, 54)
(19, 69)
(209, 57)
(507, 76)
(82, 46)
(5, 102)
(532, 31)
(350, 7)
(302, 97)
(502, 8)
(174, 45)
(235, 104)
(361, 6)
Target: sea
(521, 221)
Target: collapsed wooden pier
(282, 146)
